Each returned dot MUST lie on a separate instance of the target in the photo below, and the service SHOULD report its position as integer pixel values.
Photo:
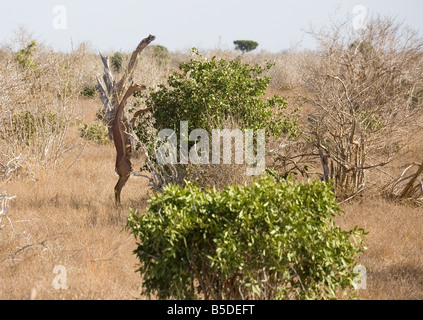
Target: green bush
(117, 61)
(271, 240)
(89, 91)
(161, 54)
(96, 132)
(25, 57)
(211, 93)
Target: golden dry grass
(394, 258)
(67, 217)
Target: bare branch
(127, 77)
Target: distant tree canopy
(245, 45)
(161, 53)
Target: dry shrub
(39, 90)
(364, 87)
(152, 69)
(205, 175)
(407, 187)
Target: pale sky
(181, 24)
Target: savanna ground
(65, 216)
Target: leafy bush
(272, 240)
(96, 132)
(161, 53)
(25, 56)
(89, 91)
(210, 93)
(117, 61)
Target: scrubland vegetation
(342, 185)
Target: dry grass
(68, 218)
(394, 258)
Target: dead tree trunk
(114, 96)
(112, 92)
(407, 187)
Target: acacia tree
(364, 87)
(245, 45)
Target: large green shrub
(210, 93)
(271, 240)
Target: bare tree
(363, 86)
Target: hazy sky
(182, 24)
